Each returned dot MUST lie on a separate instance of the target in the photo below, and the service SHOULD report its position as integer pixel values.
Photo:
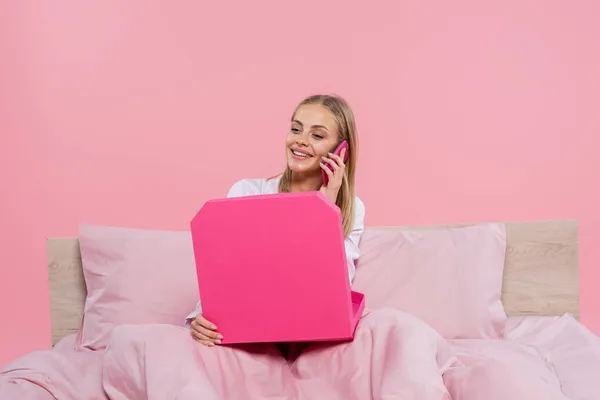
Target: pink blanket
(394, 356)
(550, 358)
(65, 372)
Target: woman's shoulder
(359, 208)
(253, 186)
(358, 202)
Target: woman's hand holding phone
(205, 331)
(336, 176)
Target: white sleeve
(239, 189)
(191, 316)
(353, 239)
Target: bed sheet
(65, 372)
(550, 358)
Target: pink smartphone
(337, 151)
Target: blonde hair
(344, 117)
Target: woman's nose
(302, 141)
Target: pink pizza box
(272, 268)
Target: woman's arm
(353, 239)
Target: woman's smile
(300, 155)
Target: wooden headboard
(540, 273)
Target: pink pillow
(135, 276)
(451, 279)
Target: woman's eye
(295, 130)
(316, 136)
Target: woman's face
(312, 135)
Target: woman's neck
(304, 183)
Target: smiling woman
(318, 125)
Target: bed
(540, 295)
(540, 276)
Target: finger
(329, 161)
(206, 323)
(197, 323)
(327, 170)
(201, 336)
(204, 342)
(212, 335)
(338, 160)
(198, 336)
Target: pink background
(135, 113)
